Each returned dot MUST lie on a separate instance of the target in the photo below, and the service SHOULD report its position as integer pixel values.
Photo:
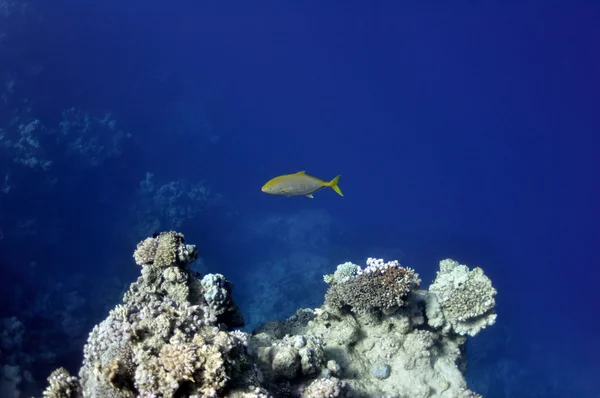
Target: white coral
(464, 299)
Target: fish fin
(310, 196)
(334, 184)
(301, 172)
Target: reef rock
(376, 335)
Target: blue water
(469, 132)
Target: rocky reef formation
(376, 335)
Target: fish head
(275, 186)
(267, 188)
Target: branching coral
(343, 272)
(146, 251)
(382, 285)
(164, 250)
(62, 385)
(163, 340)
(178, 360)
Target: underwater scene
(299, 199)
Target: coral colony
(376, 335)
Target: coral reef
(174, 336)
(90, 138)
(62, 385)
(378, 349)
(39, 160)
(461, 300)
(379, 286)
(342, 274)
(165, 339)
(169, 204)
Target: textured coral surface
(175, 335)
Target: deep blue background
(469, 132)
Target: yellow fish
(299, 184)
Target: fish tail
(334, 184)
